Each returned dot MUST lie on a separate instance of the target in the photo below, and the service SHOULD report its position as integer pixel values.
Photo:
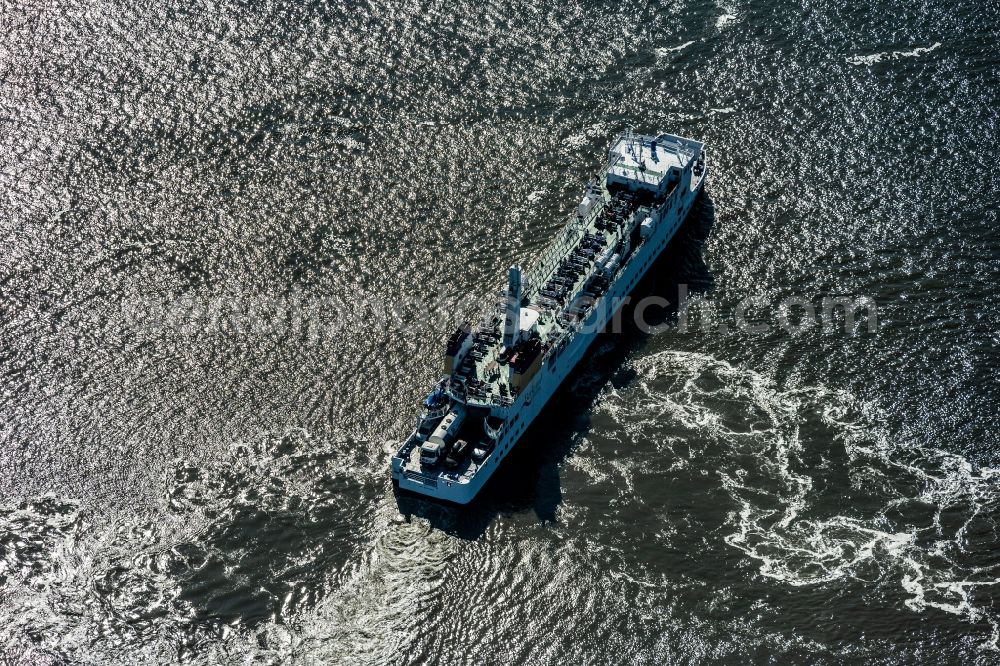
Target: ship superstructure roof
(648, 159)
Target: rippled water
(220, 493)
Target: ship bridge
(650, 163)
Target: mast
(515, 292)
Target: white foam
(781, 525)
(891, 55)
(663, 51)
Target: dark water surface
(218, 492)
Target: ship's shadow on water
(529, 477)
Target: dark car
(459, 450)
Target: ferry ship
(499, 374)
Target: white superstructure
(501, 373)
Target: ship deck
(466, 469)
(558, 299)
